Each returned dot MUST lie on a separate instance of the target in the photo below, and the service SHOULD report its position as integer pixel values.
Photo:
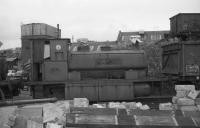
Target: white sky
(93, 19)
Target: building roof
(184, 14)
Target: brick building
(144, 36)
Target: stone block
(138, 104)
(174, 99)
(116, 105)
(189, 108)
(165, 106)
(193, 94)
(184, 87)
(185, 101)
(130, 105)
(145, 107)
(181, 94)
(99, 105)
(52, 113)
(81, 102)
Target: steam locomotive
(105, 73)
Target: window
(160, 37)
(123, 38)
(46, 50)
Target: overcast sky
(93, 19)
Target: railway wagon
(181, 60)
(185, 25)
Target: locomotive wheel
(2, 96)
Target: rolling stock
(105, 74)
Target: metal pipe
(58, 32)
(22, 102)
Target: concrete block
(53, 125)
(165, 106)
(56, 112)
(52, 113)
(81, 102)
(181, 94)
(184, 87)
(99, 105)
(130, 105)
(189, 108)
(116, 105)
(193, 94)
(185, 101)
(174, 99)
(138, 104)
(145, 107)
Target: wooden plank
(196, 121)
(94, 119)
(155, 121)
(110, 121)
(151, 112)
(93, 111)
(126, 121)
(90, 120)
(184, 121)
(191, 113)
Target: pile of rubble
(128, 105)
(53, 115)
(187, 99)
